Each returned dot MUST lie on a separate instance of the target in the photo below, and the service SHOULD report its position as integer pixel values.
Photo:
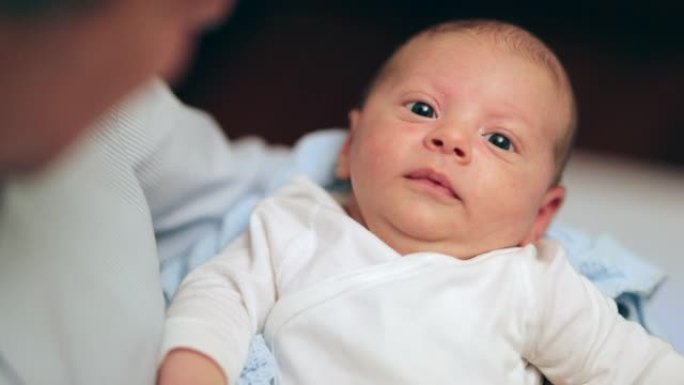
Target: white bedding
(642, 206)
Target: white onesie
(339, 306)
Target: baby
(433, 271)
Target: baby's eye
(500, 141)
(422, 109)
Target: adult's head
(64, 62)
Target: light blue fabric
(616, 271)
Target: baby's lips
(435, 177)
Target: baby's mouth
(435, 178)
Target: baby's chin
(440, 248)
(422, 230)
(414, 238)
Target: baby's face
(453, 150)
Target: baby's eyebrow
(509, 117)
(508, 111)
(422, 82)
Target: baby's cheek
(363, 158)
(512, 195)
(372, 153)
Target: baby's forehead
(459, 47)
(525, 47)
(511, 41)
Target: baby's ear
(342, 171)
(553, 200)
(353, 116)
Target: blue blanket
(616, 271)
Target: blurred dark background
(279, 69)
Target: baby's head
(459, 145)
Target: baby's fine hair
(516, 40)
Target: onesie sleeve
(223, 303)
(580, 338)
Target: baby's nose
(448, 143)
(446, 148)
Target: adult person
(86, 214)
(64, 62)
